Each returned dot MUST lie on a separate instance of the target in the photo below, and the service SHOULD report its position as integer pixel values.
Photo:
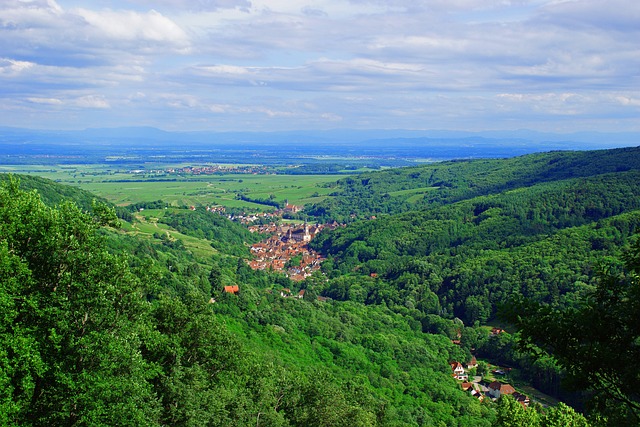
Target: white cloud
(628, 100)
(133, 26)
(43, 29)
(228, 70)
(12, 67)
(92, 101)
(290, 62)
(195, 5)
(47, 101)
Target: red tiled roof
(507, 389)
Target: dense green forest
(92, 336)
(400, 190)
(538, 241)
(227, 236)
(104, 327)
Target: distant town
(209, 170)
(286, 249)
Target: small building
(477, 395)
(458, 371)
(497, 389)
(473, 363)
(289, 208)
(285, 292)
(233, 289)
(521, 399)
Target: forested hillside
(401, 190)
(52, 193)
(543, 233)
(104, 325)
(92, 336)
(539, 241)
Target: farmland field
(122, 187)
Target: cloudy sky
(550, 65)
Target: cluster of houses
(214, 169)
(278, 213)
(216, 209)
(493, 390)
(286, 242)
(249, 218)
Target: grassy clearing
(148, 225)
(217, 190)
(544, 399)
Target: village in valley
(216, 169)
(286, 248)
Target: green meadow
(148, 227)
(121, 187)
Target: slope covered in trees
(224, 235)
(541, 237)
(597, 341)
(93, 337)
(92, 314)
(538, 241)
(401, 190)
(53, 194)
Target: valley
(365, 288)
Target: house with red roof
(458, 371)
(473, 363)
(233, 289)
(497, 389)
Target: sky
(271, 65)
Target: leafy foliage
(71, 327)
(463, 259)
(224, 235)
(90, 314)
(596, 341)
(448, 182)
(93, 338)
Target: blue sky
(264, 65)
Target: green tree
(512, 414)
(71, 323)
(597, 343)
(563, 416)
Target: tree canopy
(597, 342)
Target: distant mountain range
(142, 142)
(334, 136)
